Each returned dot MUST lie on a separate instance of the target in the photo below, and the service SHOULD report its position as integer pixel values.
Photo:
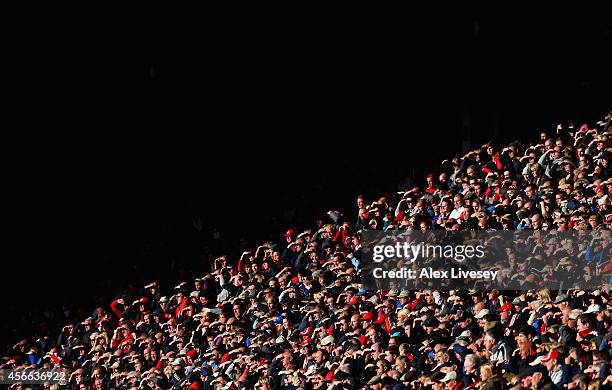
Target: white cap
(449, 376)
(574, 314)
(466, 333)
(178, 362)
(482, 313)
(593, 308)
(327, 340)
(537, 360)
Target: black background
(239, 124)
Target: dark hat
(530, 370)
(431, 321)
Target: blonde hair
(595, 385)
(488, 370)
(544, 295)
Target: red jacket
(115, 309)
(181, 306)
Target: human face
(372, 336)
(446, 207)
(522, 340)
(532, 158)
(548, 144)
(441, 357)
(344, 326)
(360, 202)
(390, 357)
(458, 202)
(484, 374)
(504, 315)
(355, 322)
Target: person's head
(372, 334)
(425, 225)
(527, 382)
(524, 338)
(490, 338)
(551, 360)
(286, 322)
(401, 363)
(442, 356)
(479, 189)
(361, 201)
(458, 201)
(446, 206)
(544, 295)
(584, 161)
(470, 171)
(470, 363)
(595, 220)
(391, 354)
(476, 205)
(319, 356)
(486, 372)
(430, 180)
(548, 144)
(586, 321)
(138, 366)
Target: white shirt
(456, 213)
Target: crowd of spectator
(294, 314)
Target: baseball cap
(178, 362)
(449, 376)
(465, 334)
(404, 294)
(552, 354)
(367, 317)
(593, 308)
(327, 340)
(506, 307)
(308, 330)
(306, 341)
